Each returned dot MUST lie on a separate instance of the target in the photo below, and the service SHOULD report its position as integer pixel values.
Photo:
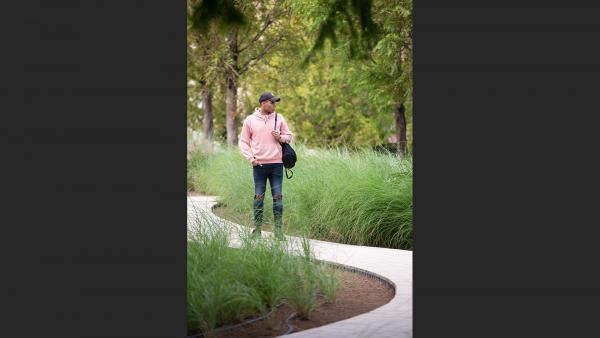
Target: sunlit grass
(226, 285)
(359, 197)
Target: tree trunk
(231, 96)
(231, 106)
(207, 121)
(400, 130)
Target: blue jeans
(274, 173)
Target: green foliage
(337, 100)
(302, 288)
(362, 198)
(223, 12)
(328, 283)
(197, 161)
(349, 21)
(360, 67)
(227, 285)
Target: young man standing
(259, 144)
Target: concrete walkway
(393, 319)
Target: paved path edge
(393, 319)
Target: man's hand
(275, 134)
(255, 163)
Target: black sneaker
(256, 232)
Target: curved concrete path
(393, 319)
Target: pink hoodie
(257, 142)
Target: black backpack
(289, 155)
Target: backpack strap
(286, 169)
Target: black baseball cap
(268, 96)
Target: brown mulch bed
(356, 294)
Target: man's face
(268, 106)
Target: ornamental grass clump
(353, 197)
(233, 278)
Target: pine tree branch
(266, 25)
(260, 55)
(233, 70)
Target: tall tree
(207, 120)
(390, 74)
(204, 52)
(246, 41)
(355, 90)
(400, 129)
(375, 62)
